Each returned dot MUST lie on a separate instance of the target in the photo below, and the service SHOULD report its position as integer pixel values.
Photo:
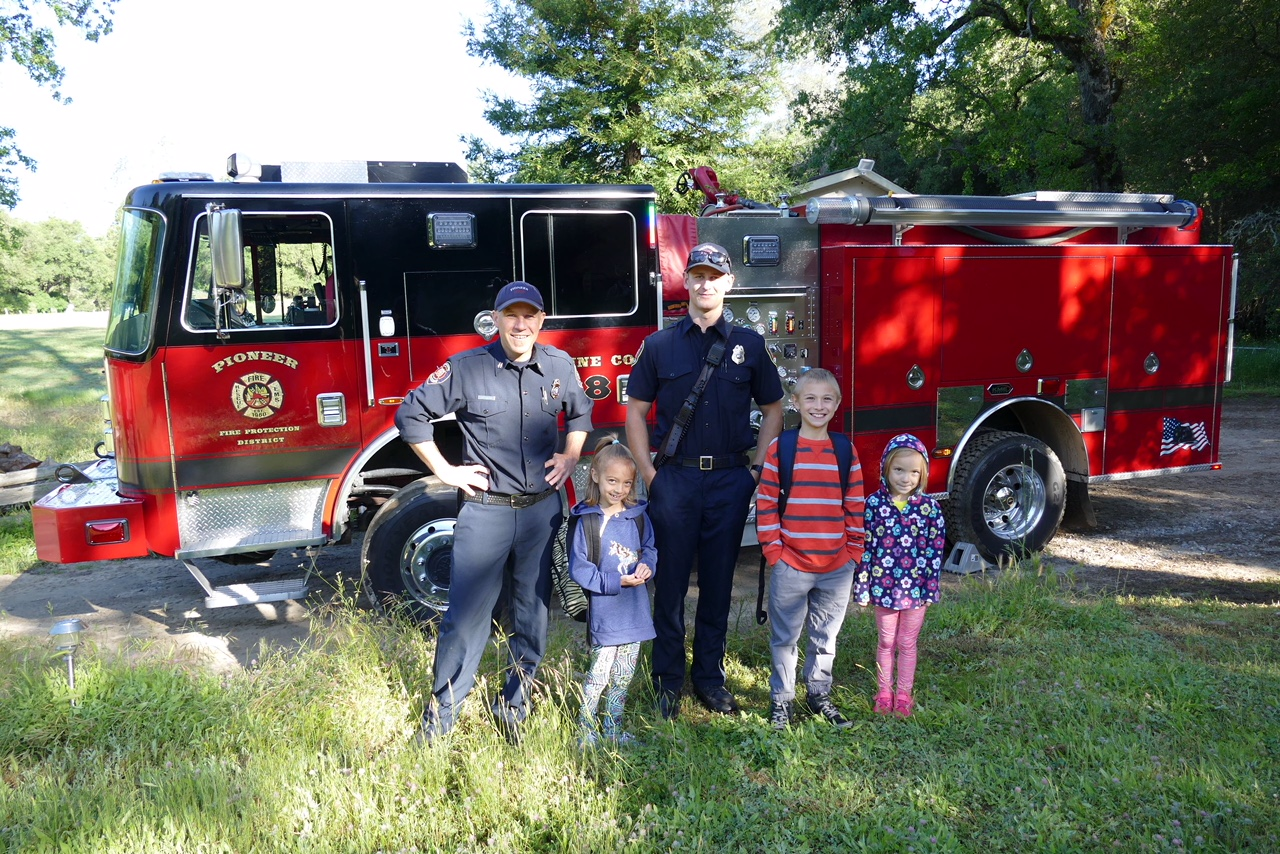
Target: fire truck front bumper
(88, 520)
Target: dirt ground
(1194, 536)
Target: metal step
(248, 593)
(261, 591)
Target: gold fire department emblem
(257, 396)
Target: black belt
(518, 501)
(707, 462)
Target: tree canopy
(625, 91)
(54, 264)
(28, 41)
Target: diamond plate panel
(330, 172)
(216, 520)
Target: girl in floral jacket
(901, 569)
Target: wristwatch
(758, 469)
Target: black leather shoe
(718, 700)
(669, 705)
(509, 720)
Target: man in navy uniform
(699, 497)
(507, 397)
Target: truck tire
(1007, 495)
(407, 555)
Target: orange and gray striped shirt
(821, 531)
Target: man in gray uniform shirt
(507, 397)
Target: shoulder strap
(843, 447)
(714, 356)
(590, 524)
(787, 441)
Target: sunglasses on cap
(708, 256)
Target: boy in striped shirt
(814, 547)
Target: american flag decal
(1178, 435)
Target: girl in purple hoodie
(613, 571)
(902, 566)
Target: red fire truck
(264, 330)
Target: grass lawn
(1048, 721)
(1256, 369)
(51, 385)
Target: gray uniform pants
(493, 545)
(813, 600)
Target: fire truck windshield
(133, 299)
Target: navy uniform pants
(492, 545)
(695, 514)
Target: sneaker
(780, 715)
(903, 705)
(623, 738)
(884, 702)
(821, 705)
(588, 739)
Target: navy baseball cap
(711, 255)
(514, 292)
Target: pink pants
(899, 631)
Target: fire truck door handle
(368, 341)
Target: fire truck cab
(264, 330)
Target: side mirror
(226, 247)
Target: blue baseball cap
(514, 292)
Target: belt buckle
(519, 502)
(706, 462)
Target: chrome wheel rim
(1014, 502)
(426, 563)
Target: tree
(30, 43)
(52, 265)
(998, 90)
(625, 91)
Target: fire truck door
(428, 268)
(260, 406)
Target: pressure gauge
(728, 314)
(759, 327)
(753, 313)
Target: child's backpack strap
(591, 530)
(787, 441)
(843, 447)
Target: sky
(179, 85)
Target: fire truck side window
(288, 270)
(584, 262)
(134, 296)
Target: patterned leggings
(899, 631)
(611, 667)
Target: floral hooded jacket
(902, 565)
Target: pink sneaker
(884, 702)
(903, 705)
